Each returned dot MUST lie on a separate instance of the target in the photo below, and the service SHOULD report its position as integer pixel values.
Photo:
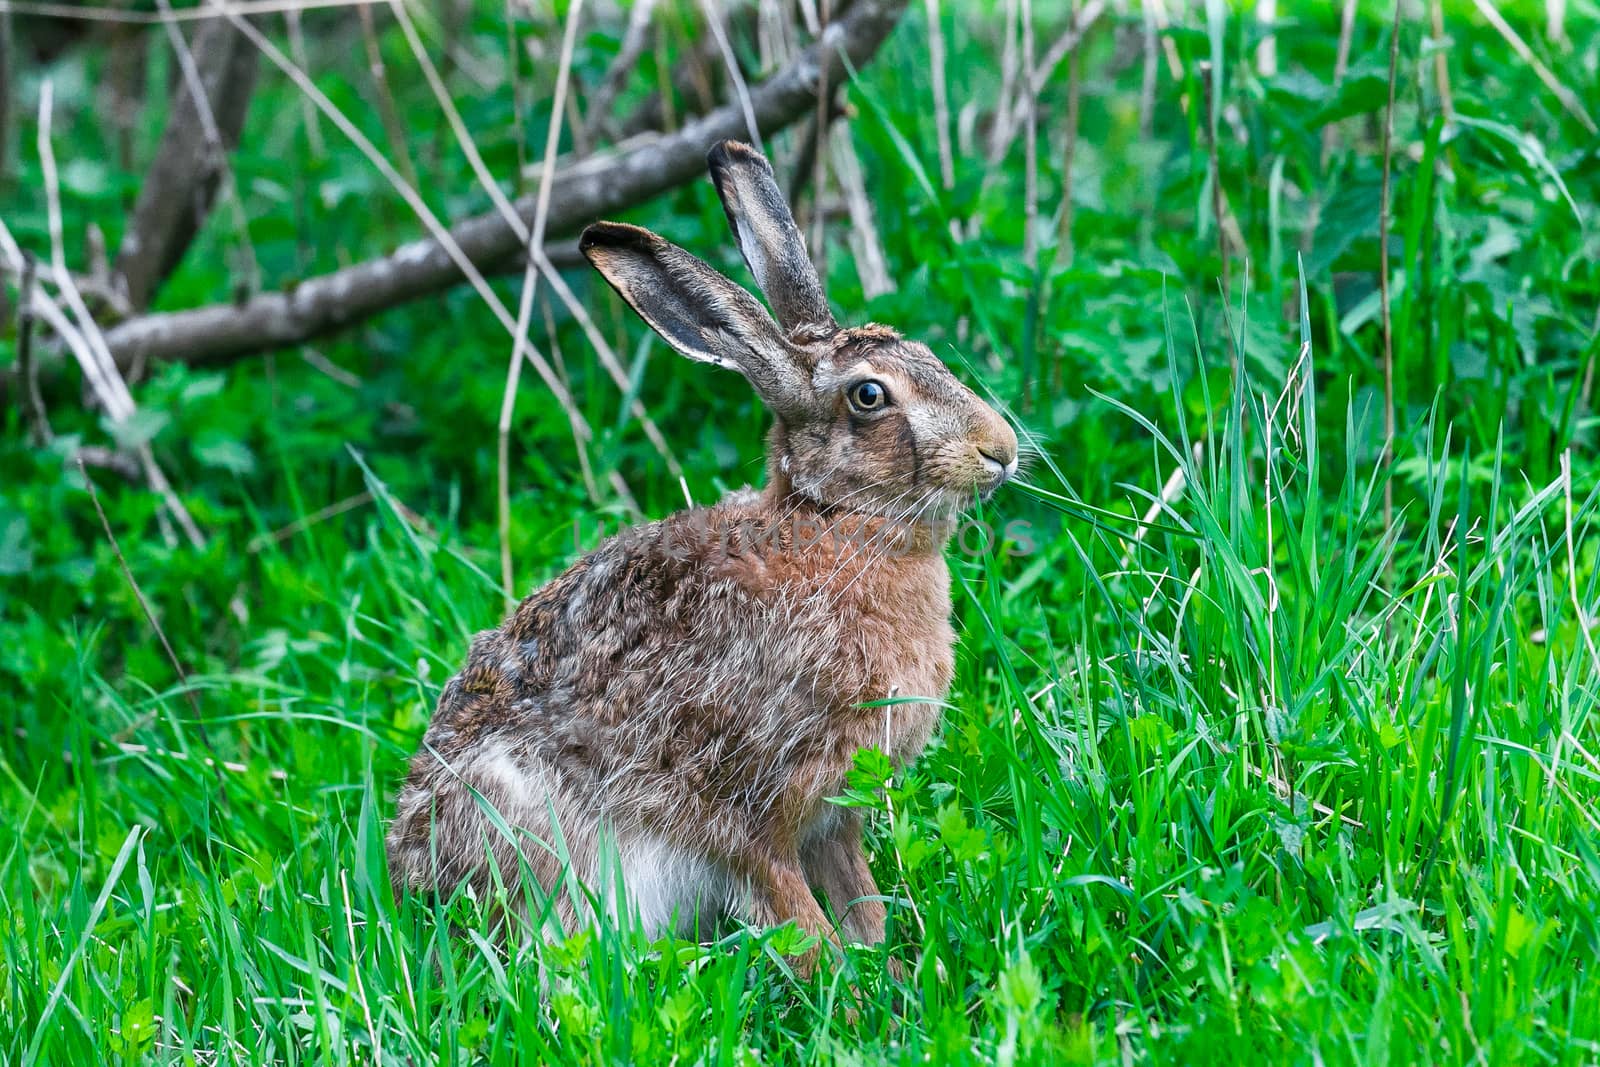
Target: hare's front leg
(835, 864)
(779, 894)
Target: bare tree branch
(182, 182)
(582, 191)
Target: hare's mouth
(996, 472)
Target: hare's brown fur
(676, 709)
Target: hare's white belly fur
(668, 889)
(637, 875)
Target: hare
(664, 723)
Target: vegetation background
(1282, 746)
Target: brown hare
(658, 730)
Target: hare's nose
(998, 467)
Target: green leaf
(16, 546)
(137, 429)
(224, 453)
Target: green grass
(1266, 778)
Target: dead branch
(183, 180)
(582, 191)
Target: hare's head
(866, 420)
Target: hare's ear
(699, 312)
(769, 239)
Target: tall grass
(1262, 777)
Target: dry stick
(98, 367)
(697, 66)
(520, 103)
(634, 40)
(308, 110)
(38, 420)
(1568, 99)
(72, 338)
(1158, 11)
(871, 264)
(583, 191)
(770, 39)
(819, 163)
(150, 616)
(941, 95)
(684, 76)
(1383, 275)
(1009, 118)
(1341, 66)
(581, 142)
(719, 32)
(56, 319)
(530, 281)
(803, 170)
(321, 363)
(94, 254)
(811, 17)
(999, 135)
(1267, 49)
(536, 255)
(1070, 152)
(92, 287)
(1030, 144)
(458, 126)
(1441, 62)
(1556, 21)
(1065, 250)
(181, 181)
(283, 533)
(1152, 68)
(387, 112)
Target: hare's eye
(869, 395)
